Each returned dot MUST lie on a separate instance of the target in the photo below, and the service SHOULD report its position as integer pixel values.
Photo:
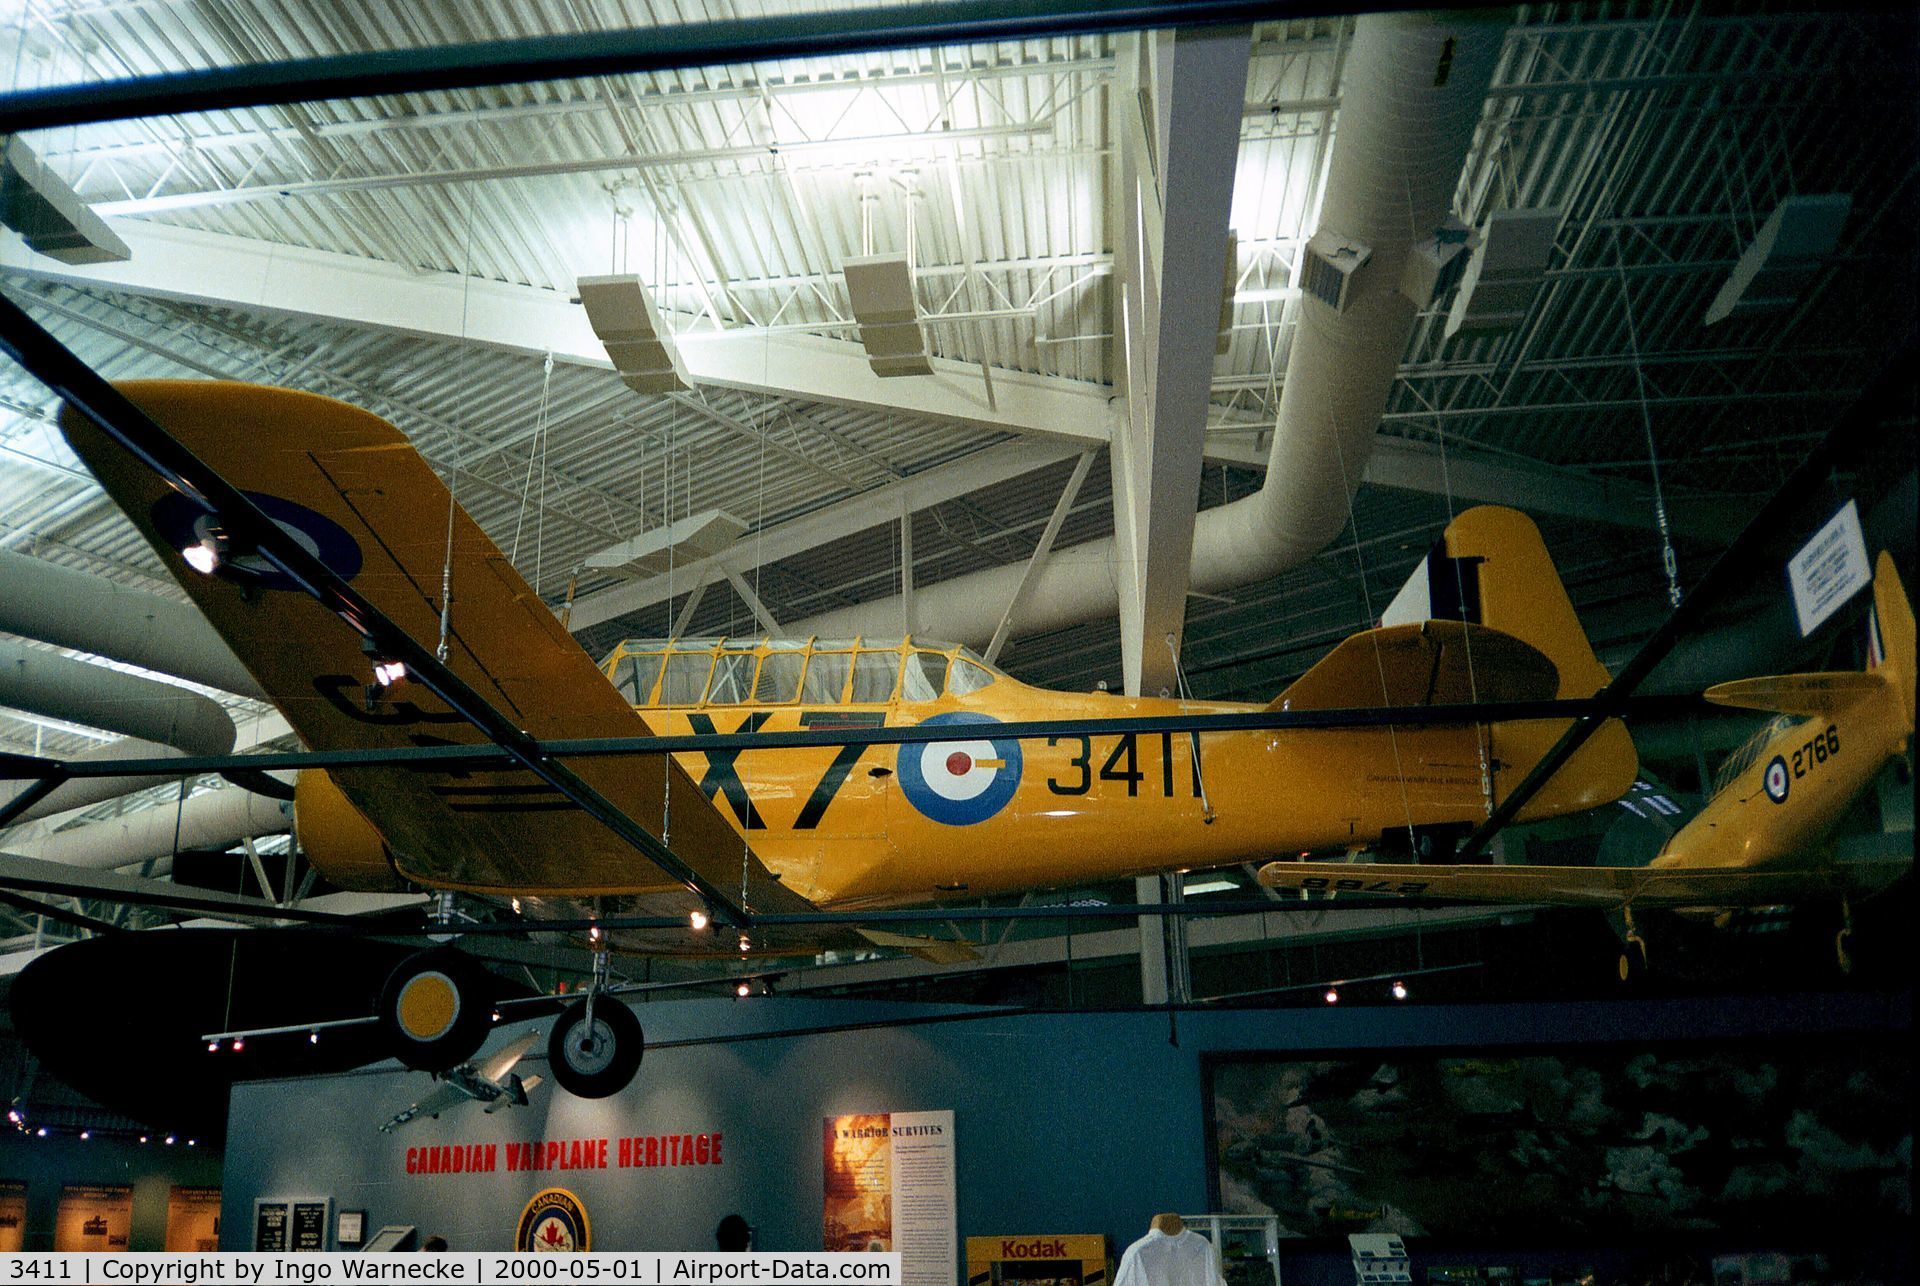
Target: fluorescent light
(1210, 886)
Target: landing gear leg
(597, 1044)
(1842, 956)
(1633, 952)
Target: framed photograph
(1593, 1143)
(351, 1228)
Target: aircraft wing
(1595, 886)
(496, 1068)
(351, 486)
(445, 1095)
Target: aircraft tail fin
(1890, 664)
(1490, 568)
(1484, 617)
(1890, 645)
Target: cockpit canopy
(768, 671)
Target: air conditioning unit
(1331, 268)
(50, 216)
(881, 289)
(1505, 273)
(1783, 260)
(1435, 265)
(683, 541)
(622, 314)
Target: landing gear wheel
(436, 1008)
(1632, 966)
(597, 1059)
(1842, 956)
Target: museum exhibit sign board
(93, 1217)
(270, 1222)
(888, 1179)
(1596, 1144)
(13, 1214)
(193, 1219)
(308, 1225)
(1045, 1260)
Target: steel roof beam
(236, 272)
(1177, 110)
(597, 53)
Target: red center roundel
(959, 763)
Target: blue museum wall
(152, 1170)
(1064, 1122)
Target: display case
(1249, 1246)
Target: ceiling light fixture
(1333, 995)
(699, 920)
(1399, 989)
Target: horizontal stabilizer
(932, 950)
(1807, 694)
(1428, 663)
(1594, 886)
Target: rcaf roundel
(1775, 781)
(958, 783)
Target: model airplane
(1758, 841)
(796, 830)
(492, 1083)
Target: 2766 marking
(1823, 747)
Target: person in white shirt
(1170, 1254)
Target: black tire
(436, 1009)
(1631, 968)
(599, 1063)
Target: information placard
(270, 1225)
(310, 1225)
(1829, 569)
(889, 1187)
(13, 1214)
(193, 1219)
(93, 1217)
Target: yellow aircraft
(1758, 841)
(796, 830)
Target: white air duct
(1413, 91)
(72, 609)
(83, 791)
(61, 687)
(211, 820)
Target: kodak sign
(1081, 1259)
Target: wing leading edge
(1591, 886)
(351, 486)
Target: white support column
(906, 568)
(682, 622)
(1041, 551)
(752, 600)
(1177, 110)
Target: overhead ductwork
(158, 719)
(72, 609)
(211, 820)
(82, 791)
(1413, 91)
(60, 687)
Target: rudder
(1491, 568)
